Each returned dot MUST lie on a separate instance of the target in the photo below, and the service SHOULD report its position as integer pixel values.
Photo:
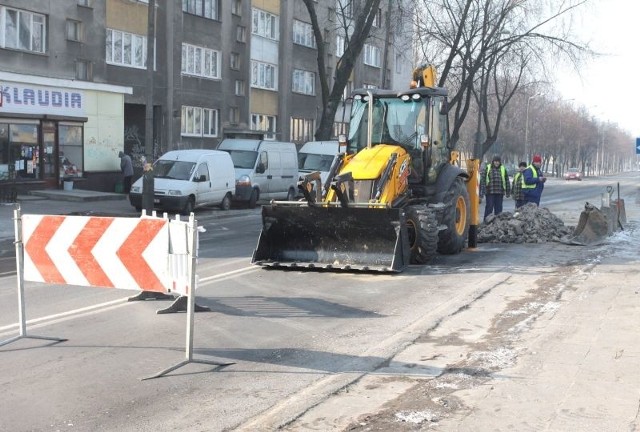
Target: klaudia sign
(31, 99)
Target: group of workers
(528, 183)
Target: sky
(609, 87)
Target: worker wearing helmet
(533, 181)
(494, 184)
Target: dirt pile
(530, 224)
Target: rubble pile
(529, 224)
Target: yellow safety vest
(534, 172)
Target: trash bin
(67, 184)
(119, 187)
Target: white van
(186, 179)
(264, 169)
(318, 156)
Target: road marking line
(79, 312)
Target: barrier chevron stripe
(107, 252)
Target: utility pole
(151, 37)
(526, 128)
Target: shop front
(44, 128)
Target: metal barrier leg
(191, 302)
(17, 221)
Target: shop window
(24, 153)
(6, 167)
(70, 150)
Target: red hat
(536, 159)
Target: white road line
(102, 307)
(50, 319)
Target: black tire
(226, 203)
(456, 218)
(189, 206)
(253, 199)
(422, 227)
(291, 195)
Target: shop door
(49, 158)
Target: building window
(236, 7)
(241, 34)
(304, 82)
(369, 86)
(234, 61)
(199, 61)
(264, 123)
(234, 115)
(86, 3)
(399, 63)
(264, 24)
(204, 8)
(340, 128)
(70, 150)
(74, 30)
(340, 41)
(198, 122)
(371, 55)
(303, 34)
(377, 21)
(264, 75)
(126, 49)
(22, 30)
(84, 70)
(302, 130)
(346, 93)
(240, 88)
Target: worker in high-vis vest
(516, 188)
(533, 181)
(494, 184)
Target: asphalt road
(294, 337)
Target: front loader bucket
(593, 227)
(348, 238)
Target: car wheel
(253, 199)
(189, 206)
(226, 203)
(291, 195)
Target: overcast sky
(613, 81)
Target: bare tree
(355, 19)
(488, 50)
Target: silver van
(264, 169)
(318, 156)
(187, 179)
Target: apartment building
(76, 90)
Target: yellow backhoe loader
(395, 197)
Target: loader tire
(422, 227)
(456, 218)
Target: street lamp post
(526, 127)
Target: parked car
(187, 179)
(264, 169)
(573, 174)
(318, 156)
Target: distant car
(573, 174)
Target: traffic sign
(105, 252)
(637, 145)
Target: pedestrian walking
(516, 188)
(126, 166)
(533, 181)
(494, 184)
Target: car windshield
(314, 162)
(243, 158)
(573, 169)
(172, 169)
